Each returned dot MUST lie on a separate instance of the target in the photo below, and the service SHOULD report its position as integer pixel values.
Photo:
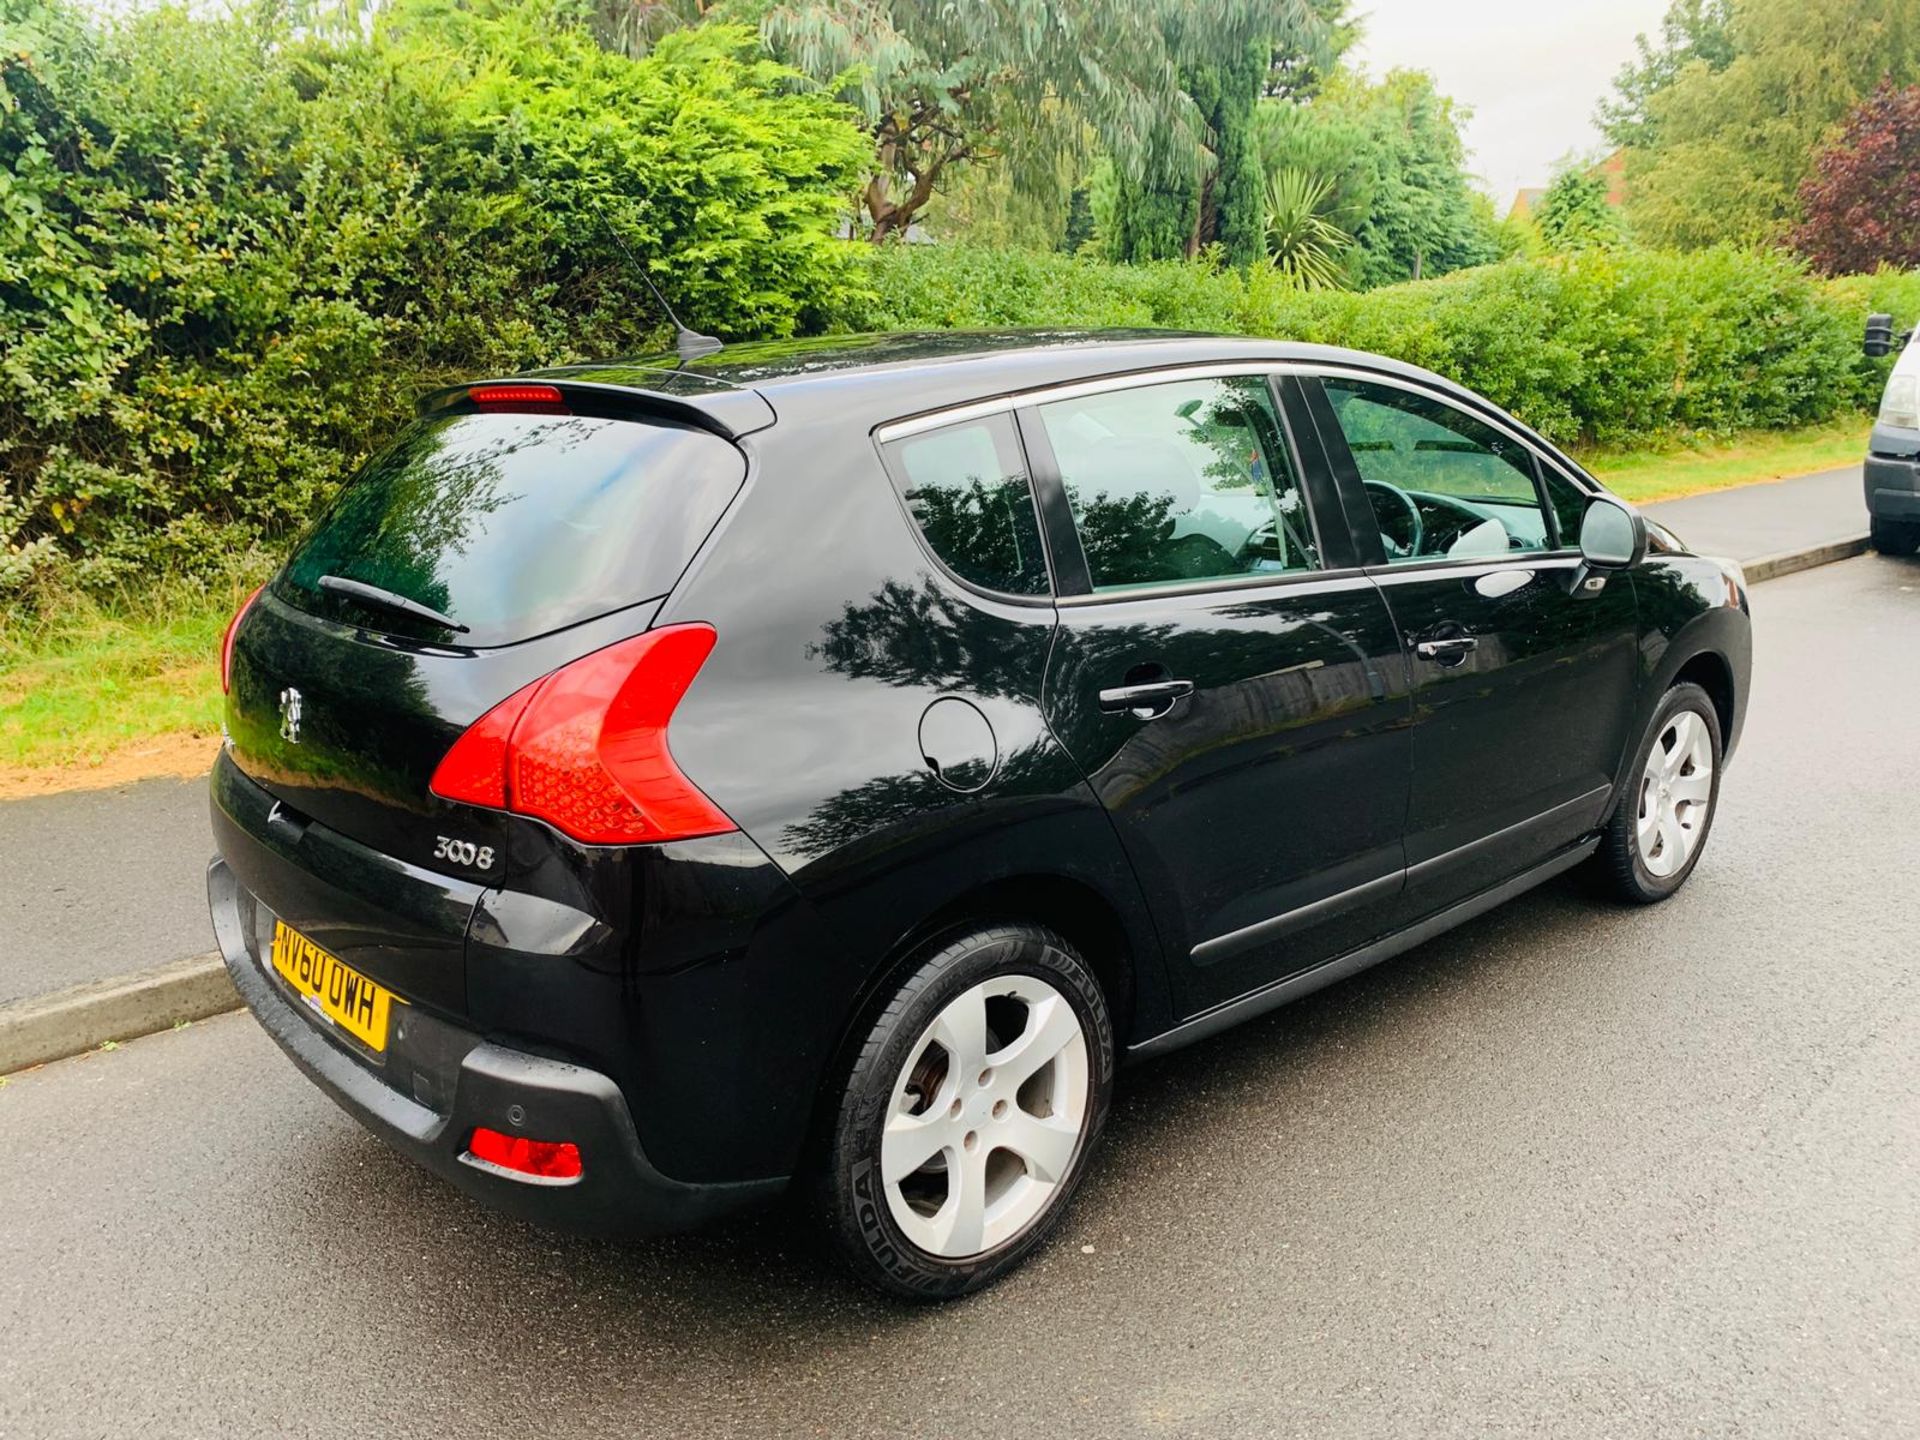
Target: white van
(1893, 455)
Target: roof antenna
(688, 343)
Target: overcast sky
(1530, 70)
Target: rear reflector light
(585, 749)
(542, 1159)
(541, 399)
(226, 640)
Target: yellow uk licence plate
(337, 991)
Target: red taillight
(585, 749)
(540, 399)
(542, 1159)
(226, 640)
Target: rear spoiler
(727, 411)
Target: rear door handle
(1157, 695)
(1450, 651)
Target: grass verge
(1643, 476)
(97, 694)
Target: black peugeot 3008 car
(651, 788)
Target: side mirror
(1613, 536)
(1880, 338)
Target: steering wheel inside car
(1389, 522)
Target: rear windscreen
(516, 525)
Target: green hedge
(1604, 347)
(233, 252)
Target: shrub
(1861, 204)
(232, 253)
(1603, 346)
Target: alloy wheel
(986, 1117)
(1675, 792)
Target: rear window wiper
(387, 600)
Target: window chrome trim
(1212, 370)
(1469, 566)
(1351, 578)
(940, 419)
(1076, 389)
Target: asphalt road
(1572, 1170)
(101, 883)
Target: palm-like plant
(1302, 242)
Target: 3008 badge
(462, 852)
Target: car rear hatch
(536, 535)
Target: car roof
(871, 379)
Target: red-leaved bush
(1862, 201)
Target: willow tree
(1215, 195)
(1020, 81)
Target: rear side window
(517, 525)
(967, 489)
(1181, 481)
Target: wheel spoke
(960, 1225)
(1672, 757)
(910, 1141)
(1046, 1145)
(1673, 844)
(1051, 1027)
(1694, 789)
(1648, 823)
(962, 1032)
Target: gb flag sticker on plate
(340, 994)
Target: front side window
(1183, 481)
(1441, 484)
(967, 489)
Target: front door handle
(1154, 698)
(1451, 651)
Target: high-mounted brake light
(226, 640)
(585, 749)
(542, 1159)
(539, 399)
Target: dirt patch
(183, 755)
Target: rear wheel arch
(1090, 923)
(1072, 909)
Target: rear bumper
(439, 1082)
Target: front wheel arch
(1710, 671)
(1620, 866)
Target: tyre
(970, 1113)
(1660, 826)
(1895, 537)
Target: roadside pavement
(1753, 522)
(99, 882)
(97, 885)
